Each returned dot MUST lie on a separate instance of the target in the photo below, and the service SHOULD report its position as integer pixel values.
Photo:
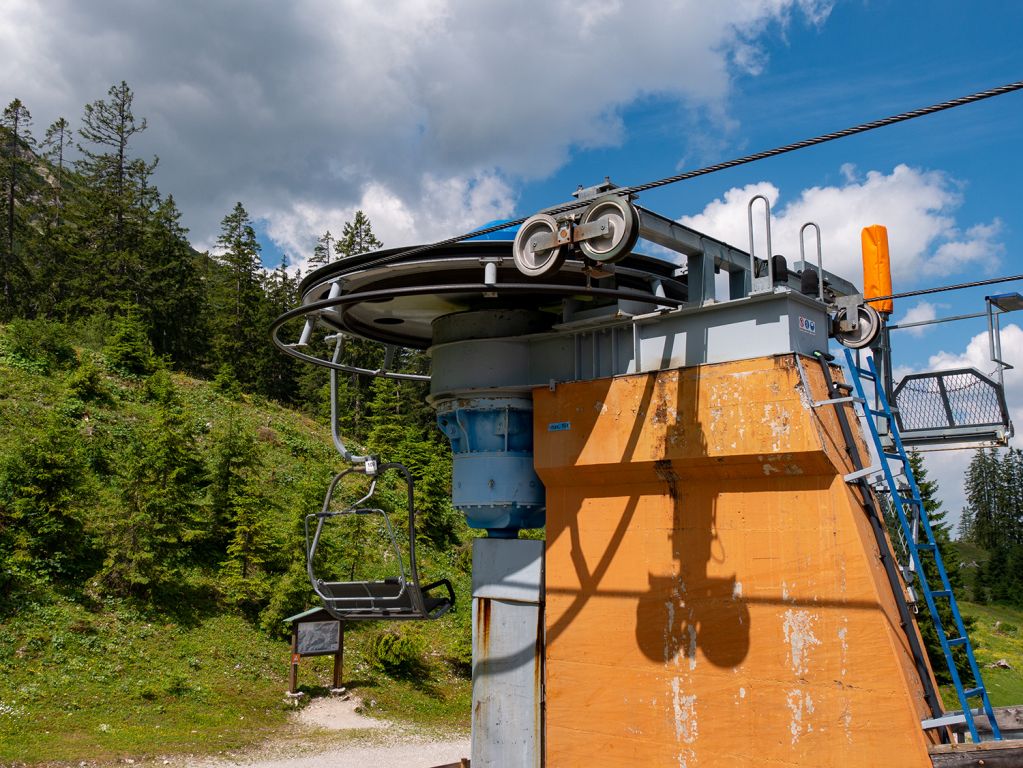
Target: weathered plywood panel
(713, 591)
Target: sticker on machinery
(807, 325)
(559, 426)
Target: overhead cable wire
(822, 139)
(863, 128)
(959, 286)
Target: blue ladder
(900, 503)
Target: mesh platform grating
(948, 400)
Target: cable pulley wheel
(868, 327)
(534, 263)
(622, 233)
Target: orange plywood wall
(713, 589)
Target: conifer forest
(98, 279)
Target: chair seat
(378, 599)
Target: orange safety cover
(877, 270)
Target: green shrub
(460, 655)
(128, 350)
(86, 383)
(38, 346)
(399, 653)
(226, 382)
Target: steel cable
(939, 289)
(862, 128)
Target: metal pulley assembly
(606, 232)
(537, 250)
(856, 325)
(613, 242)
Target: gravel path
(408, 754)
(366, 742)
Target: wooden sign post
(316, 633)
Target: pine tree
(17, 172)
(982, 495)
(994, 521)
(245, 580)
(44, 490)
(175, 299)
(238, 531)
(128, 350)
(159, 475)
(965, 529)
(239, 339)
(354, 391)
(1010, 518)
(108, 128)
(232, 458)
(57, 141)
(114, 207)
(357, 237)
(279, 376)
(321, 253)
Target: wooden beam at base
(992, 754)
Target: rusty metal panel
(507, 650)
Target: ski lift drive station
(717, 585)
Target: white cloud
(313, 106)
(918, 208)
(921, 312)
(442, 206)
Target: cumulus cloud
(917, 206)
(309, 109)
(444, 206)
(920, 312)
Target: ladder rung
(957, 641)
(945, 720)
(928, 547)
(862, 473)
(877, 412)
(970, 692)
(865, 374)
(836, 401)
(894, 456)
(946, 593)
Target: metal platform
(951, 406)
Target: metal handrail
(820, 260)
(752, 258)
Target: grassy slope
(991, 643)
(105, 685)
(109, 680)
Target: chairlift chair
(401, 597)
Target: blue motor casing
(493, 480)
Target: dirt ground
(353, 741)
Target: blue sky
(435, 116)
